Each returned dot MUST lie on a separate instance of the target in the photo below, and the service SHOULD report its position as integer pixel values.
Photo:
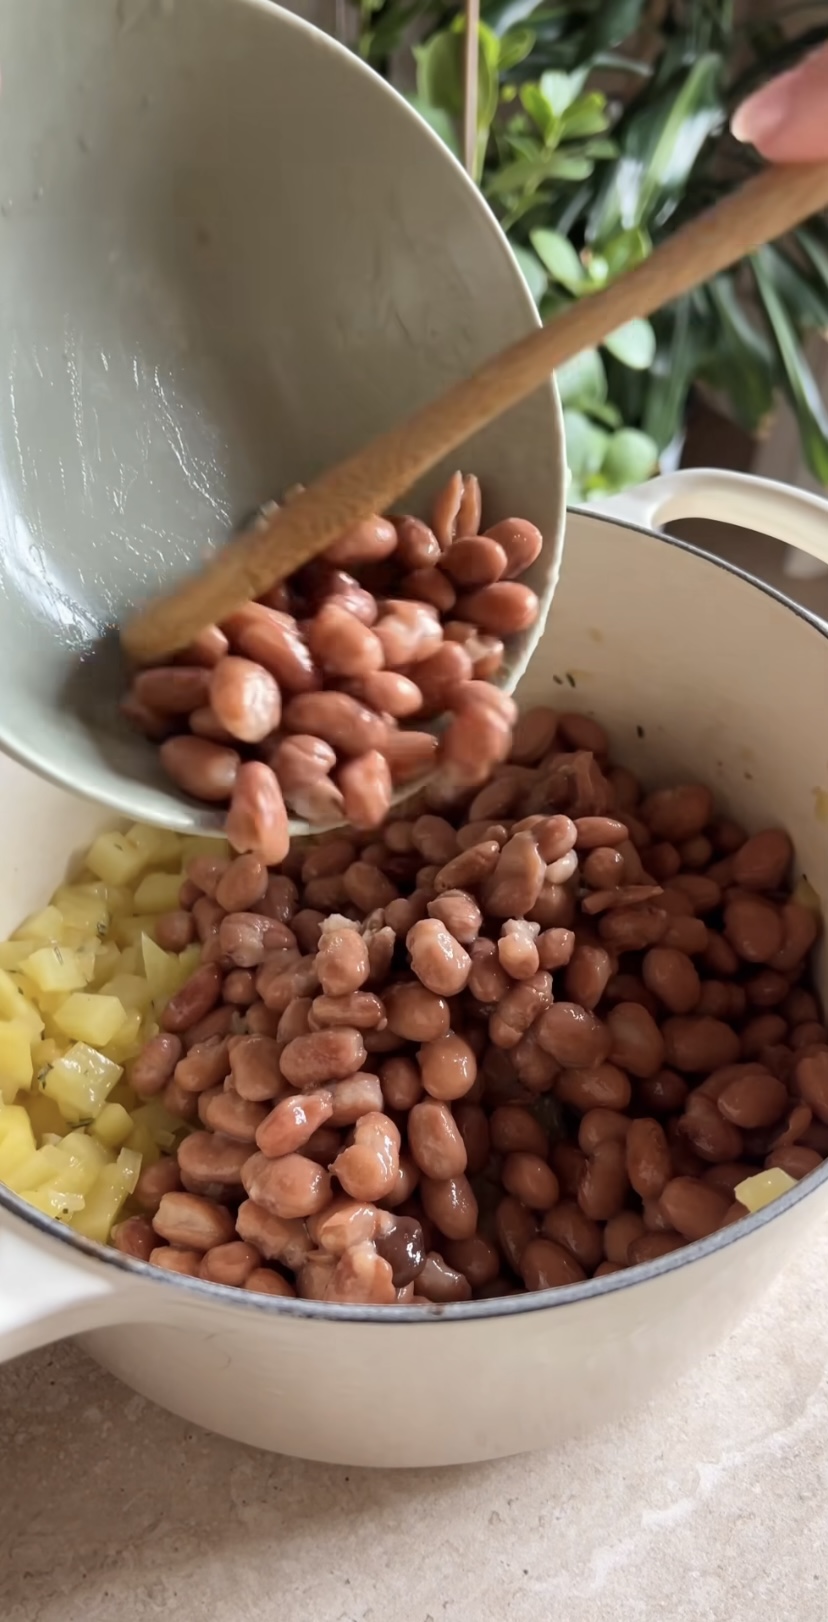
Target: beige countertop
(710, 1507)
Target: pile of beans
(538, 1038)
(296, 700)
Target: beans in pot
(533, 1031)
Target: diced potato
(87, 913)
(46, 925)
(45, 1116)
(131, 960)
(142, 1140)
(55, 1203)
(763, 1188)
(116, 859)
(116, 897)
(14, 1006)
(87, 1016)
(80, 1082)
(126, 1042)
(16, 1066)
(13, 954)
(161, 1125)
(60, 968)
(102, 1205)
(128, 929)
(166, 972)
(80, 1146)
(113, 1126)
(123, 1094)
(203, 845)
(36, 1171)
(107, 963)
(17, 1141)
(161, 845)
(158, 892)
(131, 989)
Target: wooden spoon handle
(375, 477)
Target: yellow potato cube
(163, 1127)
(113, 1126)
(13, 954)
(116, 859)
(60, 968)
(128, 929)
(17, 1142)
(158, 892)
(101, 1205)
(45, 1116)
(80, 1082)
(131, 989)
(141, 1139)
(160, 844)
(107, 963)
(16, 1066)
(87, 913)
(87, 1016)
(166, 972)
(131, 960)
(46, 925)
(55, 1203)
(126, 1042)
(763, 1188)
(14, 1006)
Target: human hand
(787, 120)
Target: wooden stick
(375, 477)
(471, 47)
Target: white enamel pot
(699, 672)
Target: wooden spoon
(374, 478)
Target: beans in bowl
(559, 1028)
(315, 698)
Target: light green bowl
(229, 254)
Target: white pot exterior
(698, 673)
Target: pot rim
(460, 1311)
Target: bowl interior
(230, 254)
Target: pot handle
(797, 517)
(45, 1296)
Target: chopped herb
(639, 731)
(570, 679)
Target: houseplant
(602, 125)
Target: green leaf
(586, 445)
(559, 257)
(634, 344)
(625, 250)
(582, 381)
(661, 145)
(815, 251)
(440, 73)
(741, 361)
(671, 375)
(800, 384)
(612, 23)
(561, 89)
(586, 116)
(441, 123)
(631, 457)
(533, 271)
(536, 105)
(805, 300)
(515, 47)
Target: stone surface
(710, 1507)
